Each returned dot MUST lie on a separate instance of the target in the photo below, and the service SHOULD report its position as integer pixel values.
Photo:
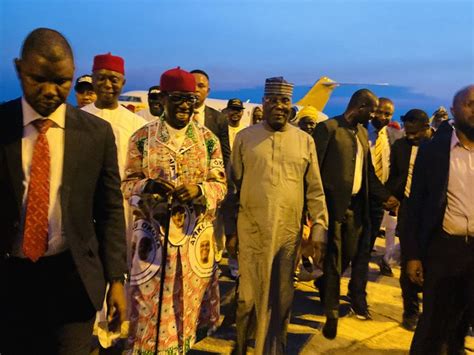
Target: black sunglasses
(179, 99)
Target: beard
(466, 128)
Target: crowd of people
(121, 218)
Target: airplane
(318, 96)
(134, 100)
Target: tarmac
(382, 335)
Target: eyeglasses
(179, 99)
(275, 100)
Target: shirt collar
(29, 114)
(455, 142)
(285, 128)
(200, 110)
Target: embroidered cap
(278, 86)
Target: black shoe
(361, 313)
(330, 328)
(410, 322)
(385, 269)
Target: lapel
(405, 155)
(361, 134)
(13, 135)
(162, 135)
(341, 121)
(190, 139)
(442, 143)
(72, 152)
(209, 121)
(364, 139)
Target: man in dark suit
(402, 160)
(61, 215)
(209, 117)
(349, 181)
(439, 236)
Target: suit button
(7, 256)
(16, 224)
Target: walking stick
(163, 268)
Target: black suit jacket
(217, 123)
(91, 200)
(399, 165)
(428, 195)
(336, 146)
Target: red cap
(177, 80)
(109, 62)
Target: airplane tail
(318, 96)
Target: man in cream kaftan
(275, 171)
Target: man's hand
(116, 306)
(187, 192)
(415, 271)
(391, 204)
(231, 243)
(319, 252)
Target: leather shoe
(330, 328)
(385, 269)
(361, 313)
(410, 322)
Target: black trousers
(411, 302)
(44, 307)
(376, 216)
(346, 245)
(448, 296)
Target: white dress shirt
(359, 163)
(55, 136)
(459, 214)
(411, 165)
(199, 115)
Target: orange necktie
(35, 237)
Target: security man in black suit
(54, 280)
(439, 237)
(213, 119)
(349, 182)
(402, 159)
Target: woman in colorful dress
(173, 156)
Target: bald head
(362, 97)
(45, 70)
(48, 43)
(463, 111)
(461, 95)
(361, 107)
